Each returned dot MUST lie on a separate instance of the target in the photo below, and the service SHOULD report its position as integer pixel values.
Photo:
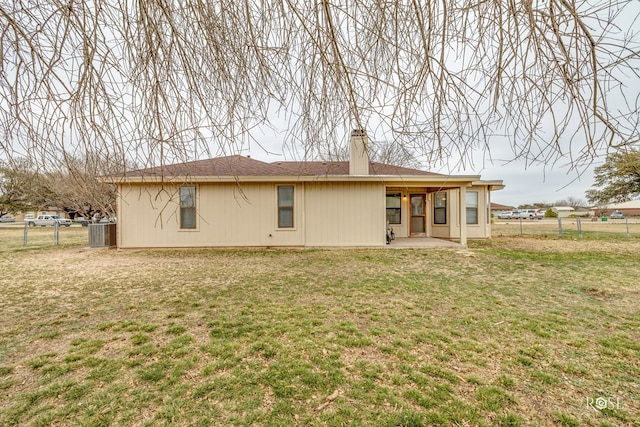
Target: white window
(440, 208)
(394, 213)
(472, 207)
(187, 207)
(285, 206)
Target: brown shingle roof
(219, 166)
(496, 206)
(245, 166)
(342, 168)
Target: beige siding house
(237, 201)
(564, 211)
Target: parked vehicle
(616, 215)
(505, 215)
(7, 219)
(95, 219)
(49, 220)
(82, 221)
(528, 214)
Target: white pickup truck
(528, 214)
(44, 220)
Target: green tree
(617, 180)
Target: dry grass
(514, 331)
(12, 237)
(549, 227)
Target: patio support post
(463, 215)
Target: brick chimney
(358, 153)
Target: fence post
(579, 223)
(56, 232)
(521, 233)
(627, 221)
(25, 234)
(559, 227)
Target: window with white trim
(472, 207)
(285, 206)
(394, 213)
(440, 208)
(187, 207)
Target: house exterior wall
(345, 214)
(563, 212)
(480, 230)
(442, 231)
(450, 230)
(629, 211)
(228, 215)
(403, 228)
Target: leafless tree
(76, 189)
(79, 189)
(155, 81)
(386, 152)
(574, 202)
(22, 189)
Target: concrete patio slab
(422, 242)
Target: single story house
(630, 208)
(496, 208)
(237, 201)
(563, 211)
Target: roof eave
(457, 179)
(493, 185)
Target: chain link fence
(19, 236)
(574, 228)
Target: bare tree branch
(155, 81)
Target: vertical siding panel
(150, 217)
(345, 214)
(480, 230)
(327, 214)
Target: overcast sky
(527, 184)
(535, 184)
(523, 184)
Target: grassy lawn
(511, 332)
(12, 237)
(549, 227)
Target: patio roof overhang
(493, 185)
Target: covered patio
(422, 243)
